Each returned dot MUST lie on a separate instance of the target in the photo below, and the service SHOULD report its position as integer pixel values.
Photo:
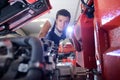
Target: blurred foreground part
(16, 13)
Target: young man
(56, 31)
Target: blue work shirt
(54, 37)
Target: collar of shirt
(57, 32)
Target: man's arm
(44, 29)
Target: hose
(36, 55)
(86, 5)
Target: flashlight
(69, 30)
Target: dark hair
(63, 12)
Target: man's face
(62, 22)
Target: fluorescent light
(43, 19)
(36, 20)
(41, 25)
(40, 20)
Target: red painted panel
(107, 36)
(107, 12)
(114, 35)
(111, 66)
(87, 55)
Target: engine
(25, 56)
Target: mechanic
(55, 30)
